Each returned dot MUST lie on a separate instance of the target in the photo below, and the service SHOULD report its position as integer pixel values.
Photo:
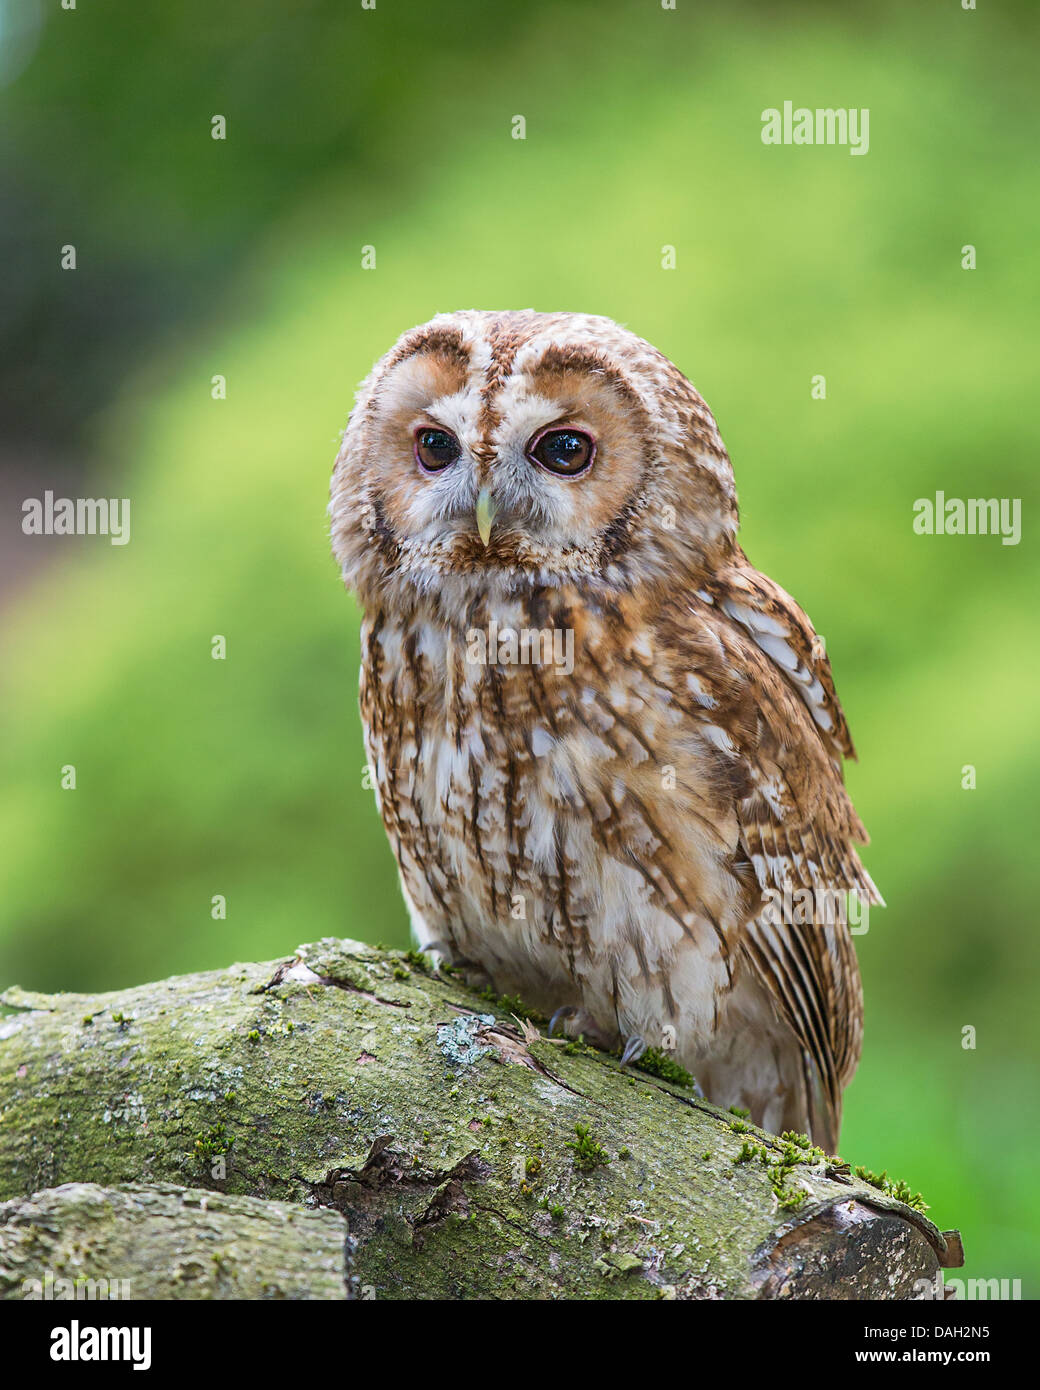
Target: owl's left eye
(436, 449)
(566, 452)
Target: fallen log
(433, 1143)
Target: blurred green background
(391, 128)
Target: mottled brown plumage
(608, 830)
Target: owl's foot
(634, 1048)
(560, 1016)
(472, 974)
(577, 1023)
(444, 952)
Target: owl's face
(515, 449)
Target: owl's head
(496, 451)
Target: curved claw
(635, 1046)
(566, 1012)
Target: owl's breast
(554, 810)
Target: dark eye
(567, 452)
(436, 449)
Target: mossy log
(433, 1144)
(82, 1241)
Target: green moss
(801, 1141)
(748, 1152)
(512, 1004)
(740, 1112)
(588, 1152)
(893, 1187)
(214, 1142)
(657, 1063)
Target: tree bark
(82, 1241)
(350, 1124)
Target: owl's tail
(822, 1111)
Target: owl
(607, 751)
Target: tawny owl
(607, 750)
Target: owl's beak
(486, 510)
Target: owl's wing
(797, 828)
(779, 628)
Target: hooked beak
(487, 508)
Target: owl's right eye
(436, 449)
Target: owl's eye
(567, 452)
(436, 449)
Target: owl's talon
(635, 1046)
(446, 952)
(470, 972)
(566, 1012)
